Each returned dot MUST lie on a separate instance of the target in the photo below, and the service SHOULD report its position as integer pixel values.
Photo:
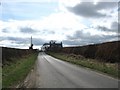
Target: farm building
(52, 46)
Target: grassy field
(105, 52)
(15, 72)
(108, 68)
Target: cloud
(45, 31)
(70, 22)
(91, 10)
(5, 30)
(114, 27)
(27, 30)
(103, 28)
(38, 41)
(19, 40)
(2, 38)
(106, 5)
(81, 38)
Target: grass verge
(17, 71)
(0, 77)
(108, 68)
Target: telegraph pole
(31, 46)
(31, 40)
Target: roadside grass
(15, 72)
(110, 69)
(0, 77)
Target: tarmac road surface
(53, 73)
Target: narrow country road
(53, 73)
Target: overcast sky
(73, 22)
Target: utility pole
(31, 46)
(31, 40)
